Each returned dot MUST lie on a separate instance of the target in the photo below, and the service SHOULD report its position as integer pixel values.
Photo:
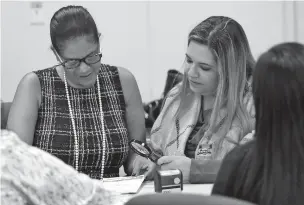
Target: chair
(153, 108)
(5, 108)
(183, 199)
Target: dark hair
(274, 168)
(71, 22)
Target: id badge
(205, 151)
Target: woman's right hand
(151, 171)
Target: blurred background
(147, 37)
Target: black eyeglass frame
(81, 60)
(63, 63)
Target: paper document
(124, 185)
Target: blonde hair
(228, 42)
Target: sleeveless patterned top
(54, 131)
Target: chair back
(184, 199)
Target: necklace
(74, 127)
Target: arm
(204, 171)
(24, 110)
(135, 116)
(207, 171)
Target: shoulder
(45, 71)
(30, 80)
(29, 87)
(35, 77)
(127, 80)
(129, 85)
(125, 75)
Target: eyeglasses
(74, 63)
(89, 60)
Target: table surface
(205, 189)
(148, 188)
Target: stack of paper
(124, 185)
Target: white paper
(124, 185)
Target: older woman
(81, 111)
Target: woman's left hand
(143, 166)
(176, 162)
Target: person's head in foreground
(271, 171)
(31, 176)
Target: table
(148, 188)
(205, 189)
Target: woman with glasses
(81, 111)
